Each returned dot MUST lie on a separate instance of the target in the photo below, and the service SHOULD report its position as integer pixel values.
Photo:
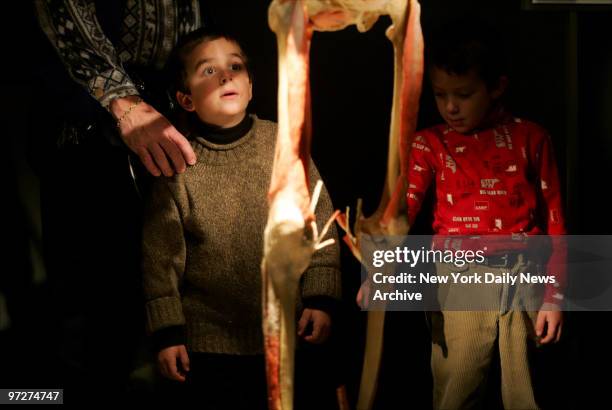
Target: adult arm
(91, 60)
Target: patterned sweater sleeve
(322, 278)
(551, 210)
(88, 55)
(163, 256)
(420, 174)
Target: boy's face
(219, 85)
(464, 101)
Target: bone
(287, 249)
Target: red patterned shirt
(499, 180)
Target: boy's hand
(550, 317)
(167, 360)
(160, 146)
(371, 225)
(321, 326)
(363, 296)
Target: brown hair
(175, 67)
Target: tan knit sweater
(203, 241)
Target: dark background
(560, 76)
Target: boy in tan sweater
(203, 236)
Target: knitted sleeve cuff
(321, 281)
(164, 312)
(105, 97)
(169, 336)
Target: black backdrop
(561, 77)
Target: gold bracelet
(128, 111)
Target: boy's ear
(500, 89)
(185, 101)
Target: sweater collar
(239, 145)
(223, 136)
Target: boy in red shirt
(493, 174)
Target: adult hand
(151, 136)
(167, 360)
(550, 317)
(321, 325)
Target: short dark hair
(463, 45)
(175, 66)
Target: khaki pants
(462, 350)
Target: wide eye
(208, 71)
(237, 67)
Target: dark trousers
(221, 382)
(91, 222)
(217, 381)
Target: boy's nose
(226, 76)
(452, 107)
